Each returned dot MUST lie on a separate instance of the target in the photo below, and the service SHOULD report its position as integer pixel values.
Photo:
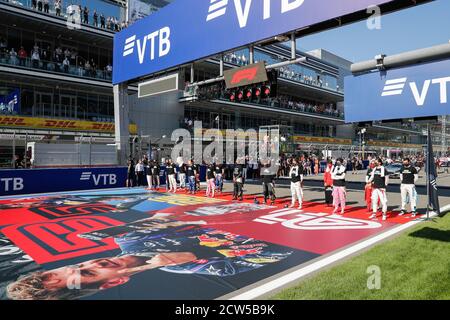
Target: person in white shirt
(171, 175)
(35, 58)
(379, 178)
(66, 64)
(296, 176)
(13, 56)
(58, 7)
(140, 173)
(339, 186)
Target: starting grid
(138, 244)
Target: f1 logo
(247, 74)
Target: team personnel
(156, 169)
(191, 172)
(182, 176)
(171, 170)
(167, 176)
(140, 172)
(408, 177)
(378, 179)
(219, 172)
(197, 176)
(296, 174)
(268, 175)
(148, 173)
(328, 183)
(339, 186)
(210, 181)
(130, 174)
(368, 188)
(238, 182)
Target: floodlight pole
(121, 116)
(221, 66)
(427, 172)
(293, 46)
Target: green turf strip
(415, 265)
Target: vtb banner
(189, 30)
(411, 92)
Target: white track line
(298, 274)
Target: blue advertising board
(15, 182)
(411, 92)
(189, 30)
(30, 181)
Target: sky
(413, 28)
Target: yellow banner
(20, 122)
(324, 140)
(394, 144)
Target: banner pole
(428, 172)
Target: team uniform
(171, 174)
(378, 179)
(197, 177)
(148, 174)
(191, 172)
(328, 184)
(368, 190)
(140, 173)
(268, 181)
(296, 175)
(338, 174)
(238, 183)
(130, 174)
(182, 176)
(409, 176)
(210, 181)
(155, 170)
(219, 177)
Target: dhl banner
(325, 140)
(394, 144)
(59, 124)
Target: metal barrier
(25, 151)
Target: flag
(433, 198)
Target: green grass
(415, 265)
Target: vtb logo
(106, 179)
(218, 8)
(395, 87)
(247, 74)
(157, 43)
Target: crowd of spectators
(284, 72)
(233, 58)
(295, 103)
(60, 59)
(85, 14)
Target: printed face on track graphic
(87, 278)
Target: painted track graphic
(137, 244)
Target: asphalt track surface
(237, 250)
